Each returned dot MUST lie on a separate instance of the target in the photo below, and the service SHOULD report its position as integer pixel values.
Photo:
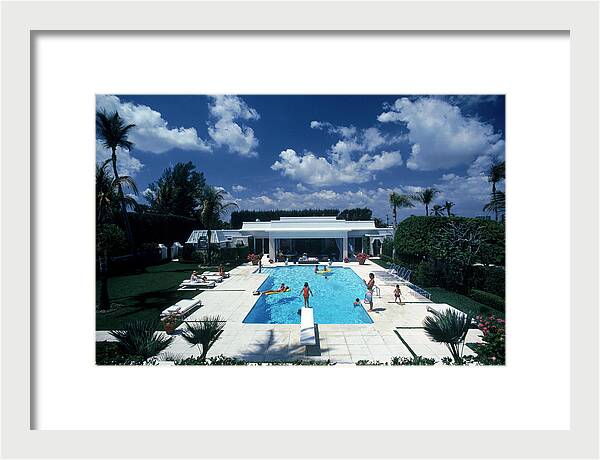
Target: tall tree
(398, 200)
(213, 208)
(496, 173)
(448, 205)
(179, 191)
(113, 132)
(107, 235)
(107, 193)
(426, 197)
(497, 204)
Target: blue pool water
(332, 301)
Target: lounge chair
(180, 308)
(225, 274)
(188, 284)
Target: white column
(371, 246)
(345, 245)
(272, 254)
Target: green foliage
(488, 299)
(151, 227)
(493, 349)
(109, 354)
(490, 279)
(449, 327)
(213, 361)
(221, 360)
(356, 214)
(417, 238)
(387, 247)
(138, 338)
(238, 217)
(399, 361)
(204, 332)
(178, 191)
(110, 238)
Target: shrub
(399, 361)
(416, 238)
(490, 279)
(449, 327)
(387, 247)
(491, 300)
(109, 354)
(149, 227)
(205, 332)
(139, 338)
(221, 360)
(493, 348)
(361, 257)
(213, 361)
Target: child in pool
(357, 302)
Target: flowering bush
(254, 258)
(361, 257)
(492, 349)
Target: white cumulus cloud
(440, 135)
(127, 165)
(238, 188)
(152, 132)
(224, 128)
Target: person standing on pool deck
(306, 292)
(370, 285)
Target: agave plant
(449, 327)
(205, 332)
(139, 338)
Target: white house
(294, 236)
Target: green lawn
(145, 294)
(461, 302)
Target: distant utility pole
(387, 220)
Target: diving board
(307, 327)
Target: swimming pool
(332, 302)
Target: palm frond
(139, 338)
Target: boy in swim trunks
(397, 294)
(306, 292)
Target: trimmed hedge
(416, 236)
(490, 279)
(150, 227)
(488, 299)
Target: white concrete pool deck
(342, 343)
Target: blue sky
(294, 152)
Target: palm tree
(140, 339)
(426, 197)
(437, 210)
(448, 206)
(496, 173)
(206, 332)
(213, 207)
(398, 200)
(497, 204)
(449, 327)
(112, 130)
(107, 192)
(107, 199)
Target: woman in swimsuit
(306, 292)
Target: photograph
(332, 230)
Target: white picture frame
(21, 20)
